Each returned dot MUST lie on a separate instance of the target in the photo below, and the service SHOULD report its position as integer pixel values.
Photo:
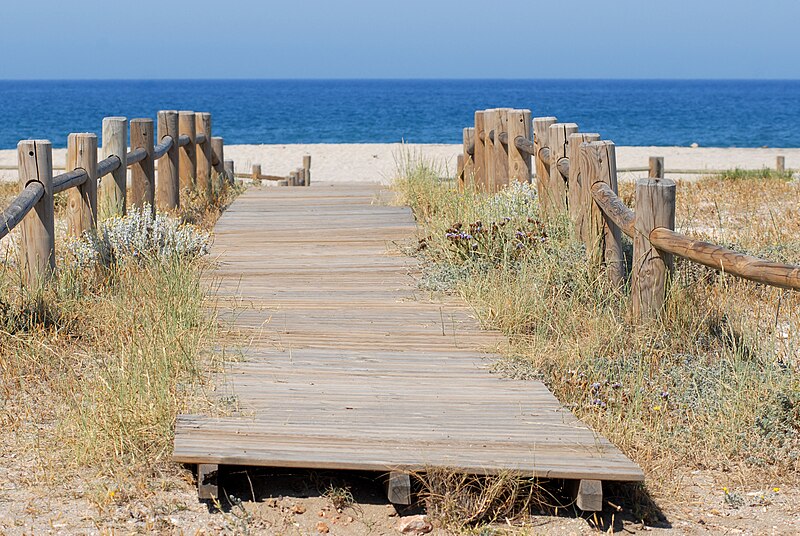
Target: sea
(719, 113)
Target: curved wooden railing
(576, 174)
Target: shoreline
(377, 162)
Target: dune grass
(714, 384)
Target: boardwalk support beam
(207, 485)
(398, 488)
(589, 495)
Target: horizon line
(394, 79)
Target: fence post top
(562, 125)
(576, 135)
(26, 143)
(598, 143)
(142, 120)
(114, 119)
(186, 112)
(652, 181)
(545, 119)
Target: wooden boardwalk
(346, 364)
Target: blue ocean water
(629, 112)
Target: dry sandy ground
(378, 161)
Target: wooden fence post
(187, 168)
(519, 162)
(293, 178)
(38, 245)
(655, 207)
(478, 153)
(229, 172)
(467, 164)
(576, 193)
(203, 177)
(143, 173)
(112, 191)
(490, 123)
(500, 151)
(460, 177)
(256, 173)
(603, 238)
(168, 187)
(82, 201)
(541, 132)
(558, 140)
(307, 169)
(218, 162)
(656, 166)
(780, 164)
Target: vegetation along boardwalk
(346, 364)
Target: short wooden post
(112, 191)
(218, 162)
(203, 177)
(780, 164)
(143, 173)
(38, 243)
(82, 201)
(603, 238)
(541, 132)
(256, 173)
(656, 167)
(519, 162)
(558, 140)
(398, 488)
(168, 185)
(307, 169)
(229, 172)
(655, 207)
(576, 193)
(468, 164)
(207, 481)
(501, 151)
(589, 495)
(491, 123)
(478, 162)
(187, 167)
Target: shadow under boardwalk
(345, 364)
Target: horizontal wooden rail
(135, 156)
(183, 140)
(20, 206)
(525, 145)
(162, 148)
(108, 165)
(67, 180)
(200, 138)
(613, 207)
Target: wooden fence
(190, 160)
(576, 174)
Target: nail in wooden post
(229, 172)
(491, 121)
(307, 169)
(467, 163)
(82, 200)
(519, 162)
(38, 244)
(558, 141)
(187, 168)
(604, 239)
(501, 151)
(576, 191)
(203, 126)
(256, 173)
(541, 132)
(780, 164)
(112, 190)
(168, 185)
(655, 207)
(656, 167)
(218, 162)
(143, 173)
(478, 154)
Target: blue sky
(400, 39)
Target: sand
(377, 162)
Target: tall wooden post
(38, 244)
(467, 168)
(491, 122)
(479, 164)
(558, 140)
(655, 207)
(112, 190)
(203, 177)
(500, 151)
(577, 201)
(218, 161)
(519, 162)
(541, 132)
(229, 172)
(603, 238)
(656, 167)
(168, 187)
(780, 164)
(82, 201)
(143, 173)
(307, 169)
(187, 167)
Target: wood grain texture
(656, 167)
(491, 120)
(519, 162)
(578, 204)
(229, 172)
(218, 162)
(478, 151)
(143, 173)
(500, 170)
(168, 182)
(307, 169)
(558, 141)
(467, 169)
(345, 364)
(187, 166)
(37, 244)
(204, 155)
(82, 200)
(112, 189)
(541, 134)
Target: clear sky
(400, 39)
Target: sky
(200, 39)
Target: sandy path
(377, 161)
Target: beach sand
(377, 162)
